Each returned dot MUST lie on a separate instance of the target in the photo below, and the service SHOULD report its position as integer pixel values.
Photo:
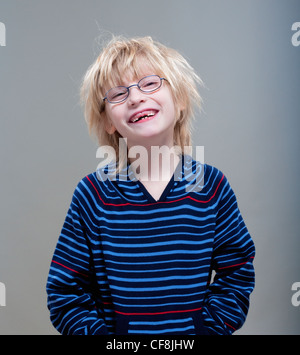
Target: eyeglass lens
(147, 84)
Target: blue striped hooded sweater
(127, 264)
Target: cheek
(115, 113)
(112, 116)
(173, 111)
(172, 105)
(115, 121)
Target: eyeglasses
(147, 84)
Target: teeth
(142, 117)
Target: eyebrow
(134, 81)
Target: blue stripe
(169, 321)
(147, 245)
(158, 253)
(156, 279)
(171, 330)
(152, 288)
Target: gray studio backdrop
(243, 51)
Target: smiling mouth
(143, 116)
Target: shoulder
(215, 181)
(209, 180)
(99, 185)
(195, 166)
(88, 187)
(209, 172)
(219, 184)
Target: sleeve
(227, 299)
(70, 284)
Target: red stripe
(226, 267)
(153, 203)
(77, 272)
(157, 313)
(230, 326)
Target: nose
(135, 95)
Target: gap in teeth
(143, 117)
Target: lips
(142, 115)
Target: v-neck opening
(170, 184)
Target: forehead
(126, 75)
(133, 78)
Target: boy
(135, 255)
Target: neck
(153, 162)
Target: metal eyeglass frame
(128, 87)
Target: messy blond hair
(121, 55)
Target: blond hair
(122, 55)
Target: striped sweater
(127, 264)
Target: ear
(181, 106)
(179, 114)
(110, 128)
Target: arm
(70, 284)
(227, 298)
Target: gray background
(250, 125)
